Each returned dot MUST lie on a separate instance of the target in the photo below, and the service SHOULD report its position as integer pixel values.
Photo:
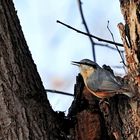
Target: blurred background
(54, 46)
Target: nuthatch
(100, 82)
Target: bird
(101, 82)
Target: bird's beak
(75, 63)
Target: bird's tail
(129, 94)
(126, 92)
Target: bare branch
(93, 36)
(116, 45)
(117, 67)
(87, 30)
(59, 92)
(109, 47)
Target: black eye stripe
(92, 65)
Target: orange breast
(102, 94)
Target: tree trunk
(130, 33)
(120, 119)
(25, 112)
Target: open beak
(75, 63)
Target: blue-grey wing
(103, 80)
(108, 81)
(109, 86)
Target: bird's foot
(104, 106)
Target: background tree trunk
(120, 119)
(25, 112)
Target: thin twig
(87, 30)
(115, 44)
(59, 92)
(93, 36)
(117, 67)
(109, 47)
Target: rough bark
(130, 33)
(120, 119)
(25, 112)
